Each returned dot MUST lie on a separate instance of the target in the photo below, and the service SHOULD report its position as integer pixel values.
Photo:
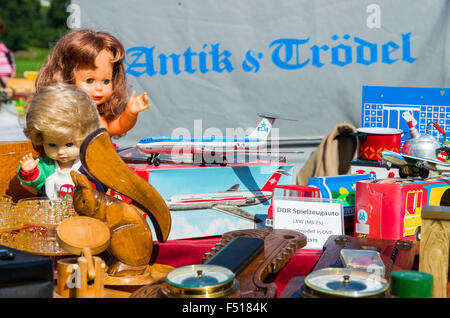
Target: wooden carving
(279, 247)
(131, 238)
(100, 159)
(86, 236)
(435, 248)
(396, 255)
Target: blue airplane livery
(210, 149)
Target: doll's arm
(128, 118)
(27, 163)
(32, 172)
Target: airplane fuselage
(208, 200)
(182, 145)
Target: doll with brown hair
(59, 118)
(93, 61)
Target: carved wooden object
(10, 154)
(79, 232)
(131, 238)
(279, 247)
(435, 247)
(95, 289)
(100, 159)
(74, 281)
(82, 235)
(396, 255)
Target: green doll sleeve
(46, 168)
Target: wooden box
(10, 154)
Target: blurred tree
(20, 17)
(28, 23)
(57, 19)
(57, 14)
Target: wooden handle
(99, 284)
(90, 262)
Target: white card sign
(316, 218)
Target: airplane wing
(427, 163)
(282, 171)
(233, 210)
(233, 188)
(205, 150)
(431, 161)
(395, 158)
(400, 159)
(208, 150)
(434, 165)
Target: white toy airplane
(214, 148)
(411, 165)
(228, 201)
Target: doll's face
(97, 83)
(61, 149)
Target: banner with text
(225, 61)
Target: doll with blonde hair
(59, 118)
(93, 61)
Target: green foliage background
(32, 29)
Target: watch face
(345, 282)
(200, 281)
(196, 276)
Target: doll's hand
(28, 163)
(137, 104)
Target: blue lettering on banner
(287, 54)
(290, 60)
(251, 63)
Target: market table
(183, 252)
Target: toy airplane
(228, 201)
(214, 148)
(411, 165)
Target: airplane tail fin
(264, 127)
(274, 178)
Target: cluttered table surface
(277, 264)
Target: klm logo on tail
(263, 127)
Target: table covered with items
(238, 229)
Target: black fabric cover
(26, 275)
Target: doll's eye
(52, 145)
(90, 80)
(69, 144)
(106, 81)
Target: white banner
(224, 61)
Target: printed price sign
(316, 218)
